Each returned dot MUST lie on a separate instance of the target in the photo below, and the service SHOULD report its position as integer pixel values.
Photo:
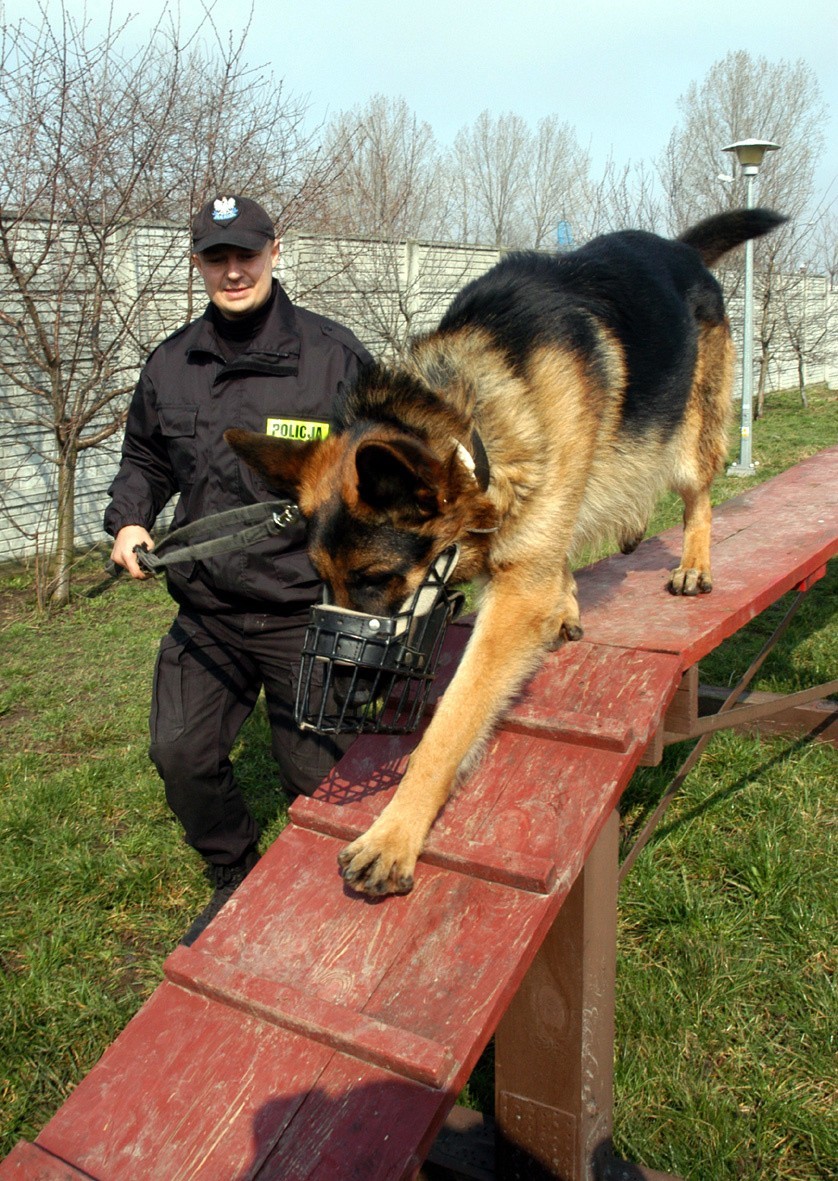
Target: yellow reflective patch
(301, 429)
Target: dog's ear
(280, 462)
(399, 477)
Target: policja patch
(303, 430)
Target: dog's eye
(377, 591)
(369, 580)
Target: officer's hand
(123, 549)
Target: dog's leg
(511, 633)
(702, 450)
(568, 624)
(693, 576)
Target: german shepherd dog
(582, 385)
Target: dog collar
(476, 461)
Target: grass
(727, 923)
(98, 885)
(726, 1006)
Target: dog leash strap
(209, 536)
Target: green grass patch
(98, 885)
(726, 1007)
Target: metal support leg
(728, 705)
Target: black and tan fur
(595, 380)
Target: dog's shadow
(602, 581)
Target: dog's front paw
(684, 581)
(381, 861)
(568, 632)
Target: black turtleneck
(236, 335)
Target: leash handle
(201, 538)
(206, 537)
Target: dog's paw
(629, 544)
(568, 632)
(690, 582)
(381, 861)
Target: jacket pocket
(178, 425)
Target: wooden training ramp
(314, 1034)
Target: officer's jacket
(187, 396)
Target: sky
(613, 69)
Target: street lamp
(749, 153)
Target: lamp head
(750, 153)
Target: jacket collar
(279, 333)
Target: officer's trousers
(207, 679)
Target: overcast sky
(613, 69)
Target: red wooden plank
(333, 1025)
(28, 1162)
(498, 826)
(501, 825)
(360, 954)
(597, 695)
(412, 963)
(544, 822)
(189, 1089)
(490, 862)
(293, 922)
(583, 693)
(457, 973)
(581, 682)
(765, 543)
(358, 1124)
(809, 581)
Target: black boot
(226, 879)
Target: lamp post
(749, 153)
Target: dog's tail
(714, 236)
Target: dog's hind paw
(380, 862)
(630, 543)
(684, 581)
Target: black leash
(209, 536)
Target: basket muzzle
(372, 674)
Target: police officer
(252, 360)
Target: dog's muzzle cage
(372, 674)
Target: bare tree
(519, 187)
(556, 185)
(825, 259)
(805, 313)
(491, 159)
(387, 174)
(105, 151)
(625, 197)
(744, 97)
(388, 201)
(789, 317)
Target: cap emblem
(224, 209)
